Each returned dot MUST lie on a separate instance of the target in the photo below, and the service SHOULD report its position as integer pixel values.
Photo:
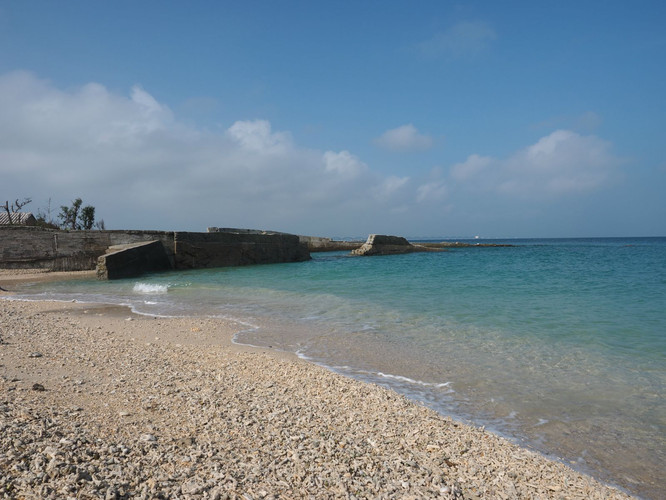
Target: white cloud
(404, 138)
(146, 101)
(560, 163)
(344, 164)
(141, 167)
(470, 167)
(389, 187)
(131, 157)
(257, 136)
(464, 39)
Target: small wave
(415, 382)
(153, 314)
(150, 288)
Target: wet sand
(99, 403)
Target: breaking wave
(150, 288)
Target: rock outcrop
(380, 244)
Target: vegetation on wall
(74, 217)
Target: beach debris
(185, 441)
(35, 354)
(38, 387)
(192, 488)
(51, 452)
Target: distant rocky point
(381, 244)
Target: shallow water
(559, 344)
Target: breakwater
(57, 250)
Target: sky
(340, 118)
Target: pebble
(210, 422)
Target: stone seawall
(198, 250)
(56, 250)
(313, 243)
(319, 244)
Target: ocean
(557, 344)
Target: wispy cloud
(390, 186)
(462, 40)
(587, 122)
(470, 167)
(404, 138)
(433, 191)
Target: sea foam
(150, 288)
(400, 378)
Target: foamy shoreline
(135, 405)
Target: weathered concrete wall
(198, 250)
(34, 247)
(29, 247)
(313, 243)
(133, 260)
(319, 244)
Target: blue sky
(498, 119)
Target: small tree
(77, 217)
(70, 215)
(87, 217)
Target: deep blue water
(559, 344)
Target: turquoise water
(558, 344)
